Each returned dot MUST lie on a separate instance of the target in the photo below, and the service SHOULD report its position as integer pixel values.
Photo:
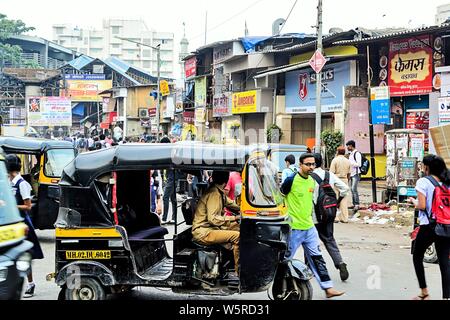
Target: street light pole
(158, 51)
(319, 81)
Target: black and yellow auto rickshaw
(43, 161)
(109, 241)
(15, 260)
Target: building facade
(104, 43)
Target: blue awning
(249, 43)
(78, 109)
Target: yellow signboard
(200, 115)
(164, 88)
(86, 90)
(245, 102)
(333, 51)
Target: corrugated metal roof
(444, 26)
(312, 43)
(80, 62)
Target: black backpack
(327, 203)
(365, 164)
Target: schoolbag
(327, 203)
(365, 164)
(440, 209)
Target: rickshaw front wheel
(302, 290)
(87, 289)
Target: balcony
(35, 60)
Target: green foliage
(332, 140)
(274, 134)
(10, 53)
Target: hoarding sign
(164, 88)
(189, 117)
(222, 105)
(410, 66)
(245, 102)
(444, 111)
(200, 115)
(49, 111)
(380, 105)
(200, 92)
(190, 67)
(301, 88)
(86, 88)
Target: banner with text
(49, 111)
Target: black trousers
(425, 238)
(326, 235)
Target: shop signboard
(410, 66)
(222, 53)
(85, 87)
(444, 110)
(419, 120)
(380, 105)
(190, 67)
(200, 115)
(301, 88)
(189, 117)
(245, 102)
(49, 111)
(200, 92)
(164, 88)
(222, 105)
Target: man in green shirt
(299, 192)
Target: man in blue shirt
(291, 168)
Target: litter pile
(385, 214)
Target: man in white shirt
(355, 174)
(326, 230)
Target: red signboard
(190, 67)
(419, 120)
(189, 117)
(410, 66)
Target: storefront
(301, 99)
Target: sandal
(422, 297)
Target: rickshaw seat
(153, 233)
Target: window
(56, 160)
(115, 30)
(59, 30)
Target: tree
(10, 28)
(332, 140)
(274, 134)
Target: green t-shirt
(300, 203)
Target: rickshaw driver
(210, 225)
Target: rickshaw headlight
(23, 264)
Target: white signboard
(444, 110)
(49, 111)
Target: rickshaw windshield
(9, 213)
(56, 160)
(263, 189)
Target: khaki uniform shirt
(210, 213)
(341, 167)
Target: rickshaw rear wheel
(304, 291)
(88, 289)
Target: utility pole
(371, 136)
(158, 102)
(319, 81)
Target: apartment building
(104, 43)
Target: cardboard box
(441, 140)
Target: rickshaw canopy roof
(32, 145)
(88, 166)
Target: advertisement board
(190, 67)
(49, 111)
(410, 66)
(301, 88)
(245, 102)
(200, 92)
(380, 105)
(222, 105)
(85, 88)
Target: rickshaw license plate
(88, 255)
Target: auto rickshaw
(15, 260)
(43, 161)
(109, 241)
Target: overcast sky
(226, 18)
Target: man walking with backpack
(299, 192)
(325, 209)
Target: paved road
(378, 258)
